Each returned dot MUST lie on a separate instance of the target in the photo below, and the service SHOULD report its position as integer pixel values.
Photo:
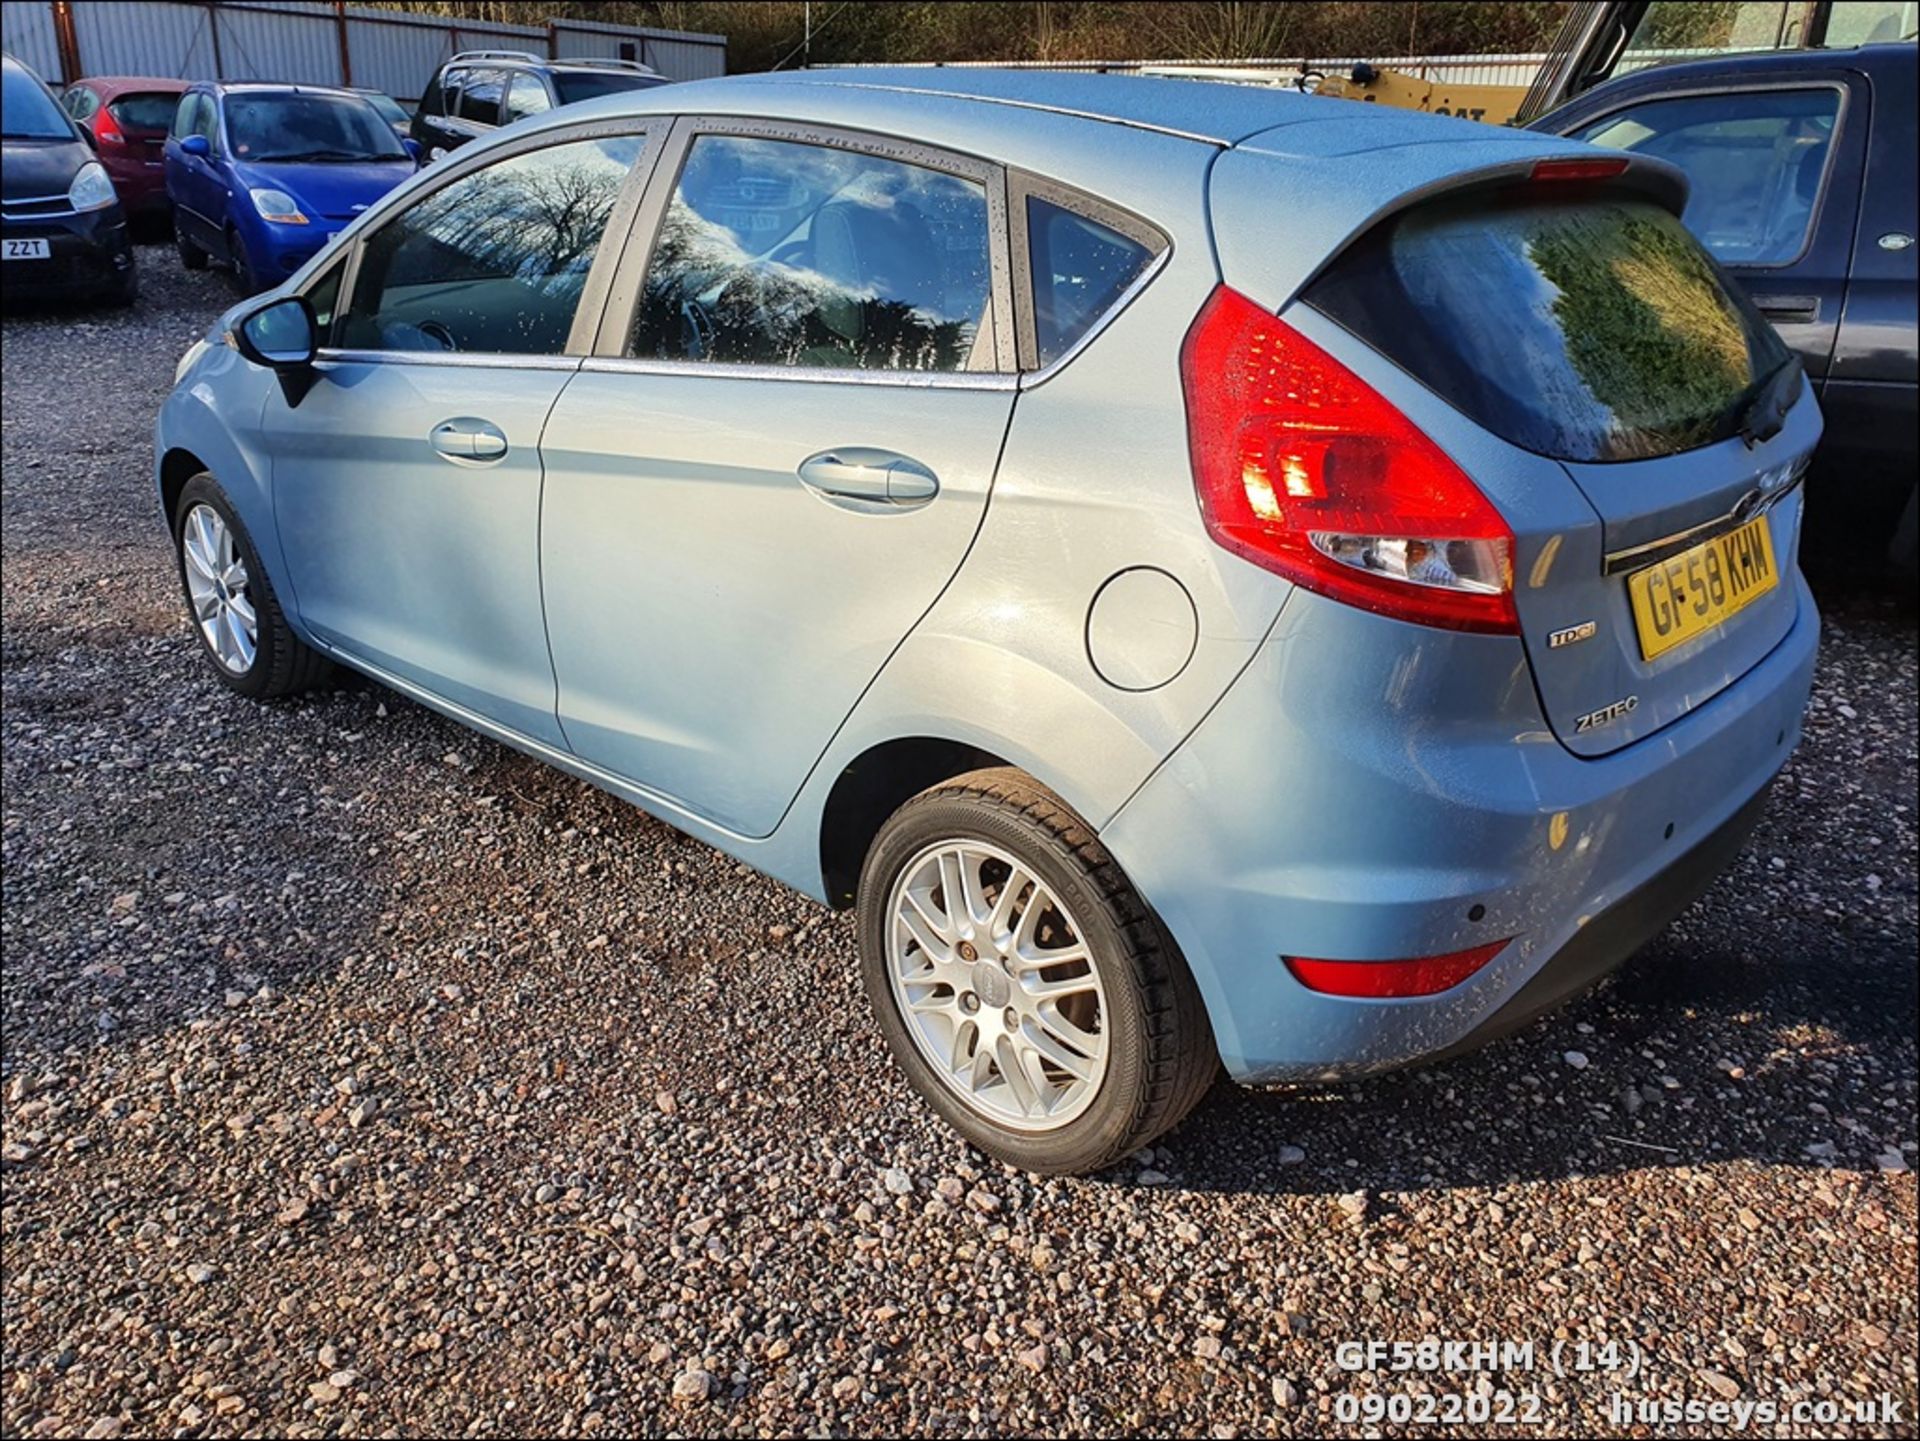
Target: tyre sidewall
(1090, 1139)
(203, 489)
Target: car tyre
(1137, 998)
(125, 290)
(245, 278)
(224, 582)
(191, 255)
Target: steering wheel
(697, 330)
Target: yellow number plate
(1697, 589)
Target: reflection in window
(495, 261)
(1754, 159)
(779, 253)
(1584, 329)
(1080, 268)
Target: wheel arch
(177, 466)
(871, 787)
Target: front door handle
(469, 441)
(861, 472)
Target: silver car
(1213, 576)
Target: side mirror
(196, 145)
(282, 336)
(413, 148)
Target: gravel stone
(422, 932)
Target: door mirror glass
(196, 145)
(280, 335)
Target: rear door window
(778, 252)
(526, 96)
(1584, 329)
(480, 96)
(1754, 159)
(1080, 269)
(494, 262)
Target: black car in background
(63, 232)
(478, 91)
(1803, 186)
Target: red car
(127, 118)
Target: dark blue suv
(262, 176)
(1803, 187)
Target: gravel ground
(362, 1076)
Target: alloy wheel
(217, 586)
(996, 984)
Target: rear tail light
(1378, 980)
(1303, 468)
(1603, 168)
(107, 130)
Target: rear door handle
(469, 440)
(1793, 309)
(862, 472)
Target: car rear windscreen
(1590, 329)
(149, 110)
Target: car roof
(1204, 111)
(291, 87)
(1207, 110)
(1868, 58)
(120, 84)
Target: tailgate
(1576, 323)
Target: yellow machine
(1495, 104)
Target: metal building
(313, 41)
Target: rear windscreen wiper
(1766, 411)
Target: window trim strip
(1022, 186)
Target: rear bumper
(1370, 791)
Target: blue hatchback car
(263, 176)
(1212, 576)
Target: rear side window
(480, 98)
(151, 112)
(526, 96)
(1753, 158)
(577, 85)
(494, 262)
(1588, 329)
(775, 252)
(1080, 268)
(80, 102)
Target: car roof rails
(599, 63)
(526, 55)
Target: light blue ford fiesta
(1212, 575)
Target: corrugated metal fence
(1510, 69)
(307, 40)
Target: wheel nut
(969, 1002)
(967, 952)
(1012, 1018)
